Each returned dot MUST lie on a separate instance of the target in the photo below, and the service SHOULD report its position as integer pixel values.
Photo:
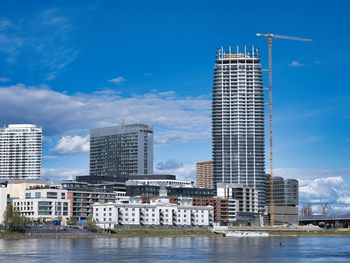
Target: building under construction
(238, 120)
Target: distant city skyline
(69, 67)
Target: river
(177, 249)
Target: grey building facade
(121, 150)
(238, 120)
(20, 151)
(285, 199)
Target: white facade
(3, 202)
(167, 182)
(47, 204)
(20, 151)
(158, 212)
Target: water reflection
(166, 249)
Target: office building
(285, 198)
(204, 174)
(121, 150)
(238, 120)
(20, 151)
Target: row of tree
(13, 220)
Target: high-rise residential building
(238, 119)
(121, 150)
(20, 151)
(204, 174)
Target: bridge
(328, 222)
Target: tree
(91, 224)
(13, 220)
(72, 221)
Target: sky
(69, 66)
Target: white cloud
(174, 119)
(3, 79)
(295, 64)
(182, 170)
(329, 189)
(73, 144)
(61, 173)
(117, 80)
(311, 173)
(319, 186)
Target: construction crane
(270, 37)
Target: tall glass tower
(238, 119)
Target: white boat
(246, 234)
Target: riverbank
(125, 232)
(4, 234)
(328, 232)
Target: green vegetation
(72, 221)
(13, 220)
(91, 224)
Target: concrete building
(238, 120)
(121, 150)
(83, 195)
(3, 201)
(17, 188)
(286, 200)
(45, 204)
(159, 212)
(134, 188)
(204, 174)
(220, 205)
(242, 202)
(20, 151)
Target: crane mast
(270, 37)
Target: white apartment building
(20, 151)
(158, 212)
(46, 204)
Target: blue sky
(74, 65)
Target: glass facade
(121, 150)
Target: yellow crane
(270, 37)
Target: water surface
(178, 249)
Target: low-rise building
(159, 212)
(134, 188)
(44, 204)
(220, 205)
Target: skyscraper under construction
(238, 119)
